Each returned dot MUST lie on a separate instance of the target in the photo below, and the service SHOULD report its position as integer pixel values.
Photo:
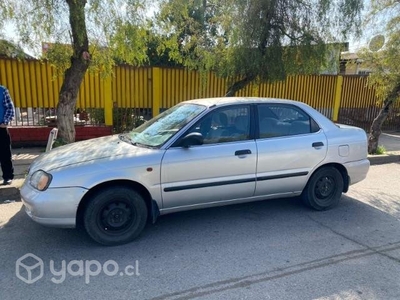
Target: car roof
(322, 121)
(240, 100)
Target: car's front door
(223, 168)
(290, 144)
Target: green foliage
(7, 8)
(129, 43)
(96, 116)
(384, 63)
(262, 40)
(380, 150)
(113, 29)
(193, 32)
(116, 30)
(58, 143)
(124, 119)
(60, 56)
(155, 55)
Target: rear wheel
(324, 189)
(115, 215)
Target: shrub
(380, 150)
(124, 119)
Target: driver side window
(225, 125)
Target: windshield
(158, 130)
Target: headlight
(40, 180)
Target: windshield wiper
(124, 138)
(143, 145)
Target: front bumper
(56, 207)
(357, 170)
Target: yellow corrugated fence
(35, 84)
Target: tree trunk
(74, 75)
(67, 101)
(238, 85)
(376, 126)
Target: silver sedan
(197, 154)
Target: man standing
(6, 115)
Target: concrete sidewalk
(23, 157)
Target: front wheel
(324, 189)
(116, 215)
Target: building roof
(10, 50)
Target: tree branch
(238, 85)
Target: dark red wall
(37, 136)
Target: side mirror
(192, 139)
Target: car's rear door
(223, 168)
(290, 144)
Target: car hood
(80, 152)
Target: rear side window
(276, 120)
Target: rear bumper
(357, 170)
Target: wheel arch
(343, 171)
(152, 207)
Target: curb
(10, 193)
(383, 159)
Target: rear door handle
(242, 152)
(317, 144)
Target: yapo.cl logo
(29, 268)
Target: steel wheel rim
(325, 189)
(116, 217)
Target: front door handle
(317, 144)
(242, 152)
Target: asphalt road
(265, 250)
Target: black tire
(324, 189)
(115, 216)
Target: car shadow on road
(244, 222)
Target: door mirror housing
(191, 139)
